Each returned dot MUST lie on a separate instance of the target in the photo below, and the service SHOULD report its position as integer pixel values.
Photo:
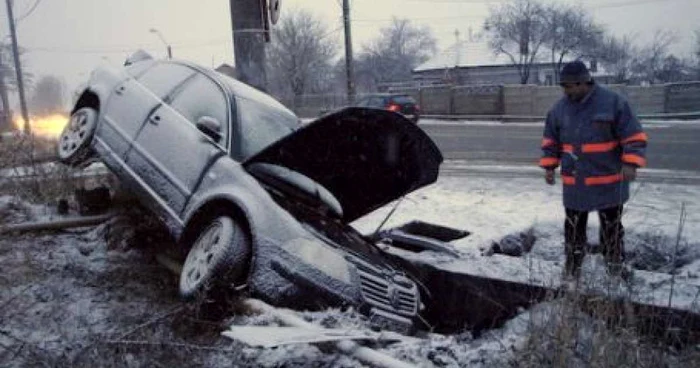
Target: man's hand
(549, 176)
(629, 172)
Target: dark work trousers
(611, 237)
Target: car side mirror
(210, 126)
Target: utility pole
(18, 68)
(248, 20)
(5, 117)
(349, 70)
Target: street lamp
(160, 35)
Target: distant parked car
(401, 103)
(253, 197)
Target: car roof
(388, 94)
(237, 88)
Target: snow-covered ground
(71, 298)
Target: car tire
(73, 147)
(219, 256)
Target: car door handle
(154, 119)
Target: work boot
(574, 259)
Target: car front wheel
(219, 256)
(74, 142)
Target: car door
(171, 153)
(133, 99)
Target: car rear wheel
(219, 256)
(74, 142)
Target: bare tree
(518, 30)
(617, 55)
(8, 83)
(48, 97)
(673, 69)
(391, 57)
(300, 55)
(650, 61)
(571, 32)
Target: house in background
(474, 63)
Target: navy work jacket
(591, 140)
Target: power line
(28, 12)
(625, 3)
(123, 48)
(419, 18)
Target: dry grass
(607, 335)
(29, 171)
(581, 329)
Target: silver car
(253, 197)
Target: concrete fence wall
(517, 100)
(477, 100)
(683, 97)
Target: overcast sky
(68, 38)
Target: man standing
(594, 136)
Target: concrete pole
(5, 117)
(349, 69)
(247, 21)
(18, 68)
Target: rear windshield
(403, 100)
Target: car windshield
(261, 125)
(403, 100)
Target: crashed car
(255, 198)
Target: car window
(363, 102)
(403, 100)
(261, 125)
(200, 97)
(162, 78)
(377, 102)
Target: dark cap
(575, 72)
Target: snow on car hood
(365, 157)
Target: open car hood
(365, 157)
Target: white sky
(68, 38)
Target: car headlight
(321, 257)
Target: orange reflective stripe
(568, 180)
(546, 142)
(600, 180)
(631, 158)
(549, 161)
(599, 147)
(639, 137)
(569, 148)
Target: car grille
(385, 294)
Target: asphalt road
(674, 147)
(469, 148)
